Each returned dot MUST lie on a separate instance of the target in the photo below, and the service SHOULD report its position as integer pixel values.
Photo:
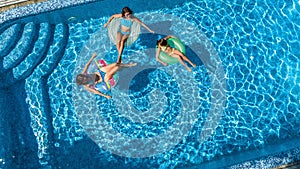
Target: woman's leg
(111, 69)
(184, 57)
(107, 68)
(121, 47)
(109, 74)
(181, 61)
(119, 37)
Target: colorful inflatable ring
(174, 43)
(114, 27)
(104, 87)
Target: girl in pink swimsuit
(89, 80)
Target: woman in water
(89, 80)
(163, 45)
(126, 20)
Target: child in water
(162, 45)
(90, 80)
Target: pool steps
(39, 100)
(22, 49)
(9, 38)
(31, 57)
(21, 54)
(26, 67)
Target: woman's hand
(94, 55)
(151, 31)
(108, 97)
(105, 25)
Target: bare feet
(132, 64)
(193, 65)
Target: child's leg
(118, 43)
(121, 47)
(110, 73)
(108, 67)
(181, 61)
(184, 57)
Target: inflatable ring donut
(174, 43)
(114, 27)
(104, 87)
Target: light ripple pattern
(257, 42)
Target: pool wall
(9, 97)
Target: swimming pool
(242, 97)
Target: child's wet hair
(82, 79)
(162, 42)
(126, 9)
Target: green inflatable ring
(174, 43)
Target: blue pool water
(242, 96)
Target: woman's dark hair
(125, 10)
(82, 79)
(162, 42)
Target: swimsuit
(164, 48)
(95, 78)
(102, 86)
(126, 23)
(102, 74)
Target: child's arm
(157, 58)
(96, 92)
(88, 63)
(111, 18)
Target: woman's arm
(143, 24)
(88, 63)
(157, 58)
(96, 92)
(168, 37)
(111, 18)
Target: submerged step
(38, 53)
(9, 38)
(55, 52)
(37, 93)
(24, 46)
